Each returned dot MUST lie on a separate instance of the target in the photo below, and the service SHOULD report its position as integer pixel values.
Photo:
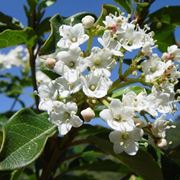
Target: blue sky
(65, 8)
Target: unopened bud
(87, 114)
(162, 143)
(50, 63)
(88, 21)
(139, 123)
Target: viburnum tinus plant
(81, 74)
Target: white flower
(47, 93)
(15, 57)
(59, 88)
(118, 115)
(100, 61)
(126, 140)
(95, 85)
(70, 64)
(108, 42)
(141, 102)
(165, 98)
(114, 23)
(64, 116)
(147, 49)
(159, 127)
(72, 36)
(154, 68)
(66, 88)
(42, 77)
(88, 21)
(172, 54)
(130, 38)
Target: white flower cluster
(84, 82)
(15, 57)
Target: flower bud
(88, 21)
(87, 114)
(50, 63)
(162, 143)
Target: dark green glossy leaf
(125, 4)
(44, 26)
(103, 165)
(142, 164)
(173, 135)
(25, 136)
(168, 15)
(50, 45)
(163, 22)
(8, 22)
(16, 37)
(52, 75)
(164, 31)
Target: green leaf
(50, 45)
(173, 135)
(120, 92)
(43, 27)
(125, 4)
(106, 10)
(164, 31)
(52, 75)
(142, 164)
(26, 134)
(163, 22)
(103, 165)
(16, 37)
(8, 22)
(171, 15)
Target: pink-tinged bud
(87, 114)
(162, 143)
(50, 63)
(88, 21)
(167, 56)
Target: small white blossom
(114, 23)
(172, 54)
(142, 102)
(126, 140)
(64, 116)
(118, 115)
(100, 61)
(95, 85)
(42, 77)
(70, 64)
(72, 36)
(154, 68)
(59, 88)
(165, 98)
(109, 42)
(159, 127)
(15, 57)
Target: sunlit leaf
(25, 136)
